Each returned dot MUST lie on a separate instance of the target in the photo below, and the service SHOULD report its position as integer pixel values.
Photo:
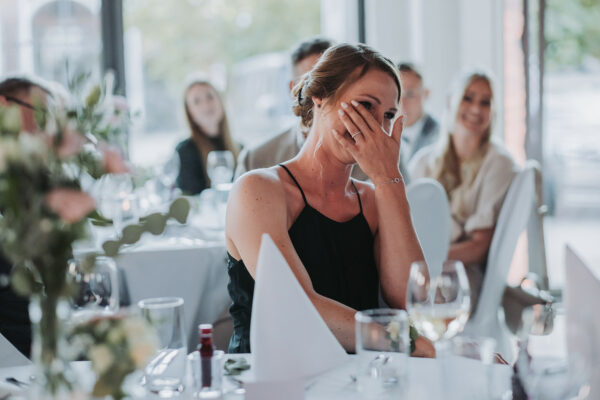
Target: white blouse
(476, 202)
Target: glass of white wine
(438, 306)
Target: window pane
(50, 38)
(241, 45)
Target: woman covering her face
(207, 121)
(342, 238)
(474, 169)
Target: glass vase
(54, 377)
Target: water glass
(195, 367)
(382, 349)
(219, 167)
(97, 286)
(165, 374)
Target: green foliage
(154, 223)
(212, 31)
(572, 32)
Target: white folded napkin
(10, 356)
(583, 321)
(288, 337)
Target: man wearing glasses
(420, 129)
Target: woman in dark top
(206, 118)
(341, 238)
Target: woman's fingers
(357, 119)
(397, 129)
(366, 116)
(354, 131)
(346, 142)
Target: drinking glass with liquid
(165, 374)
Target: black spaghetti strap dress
(338, 257)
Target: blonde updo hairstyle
(334, 72)
(448, 171)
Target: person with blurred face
(474, 169)
(343, 239)
(205, 115)
(420, 128)
(286, 145)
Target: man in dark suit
(420, 128)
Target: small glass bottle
(206, 349)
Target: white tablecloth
(423, 381)
(198, 274)
(184, 262)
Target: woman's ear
(317, 102)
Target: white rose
(115, 335)
(101, 358)
(393, 328)
(141, 353)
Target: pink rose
(70, 204)
(113, 161)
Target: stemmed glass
(219, 167)
(97, 289)
(438, 306)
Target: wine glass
(439, 307)
(97, 288)
(219, 167)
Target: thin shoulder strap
(357, 195)
(296, 182)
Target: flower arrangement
(45, 178)
(117, 346)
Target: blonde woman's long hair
(203, 142)
(447, 169)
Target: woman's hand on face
(376, 152)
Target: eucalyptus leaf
(235, 366)
(131, 234)
(92, 99)
(179, 210)
(155, 223)
(111, 247)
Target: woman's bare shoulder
(259, 182)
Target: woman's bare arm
(396, 244)
(474, 250)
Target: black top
(14, 314)
(192, 171)
(338, 257)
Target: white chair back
(512, 220)
(430, 214)
(535, 231)
(582, 296)
(10, 356)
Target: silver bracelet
(394, 180)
